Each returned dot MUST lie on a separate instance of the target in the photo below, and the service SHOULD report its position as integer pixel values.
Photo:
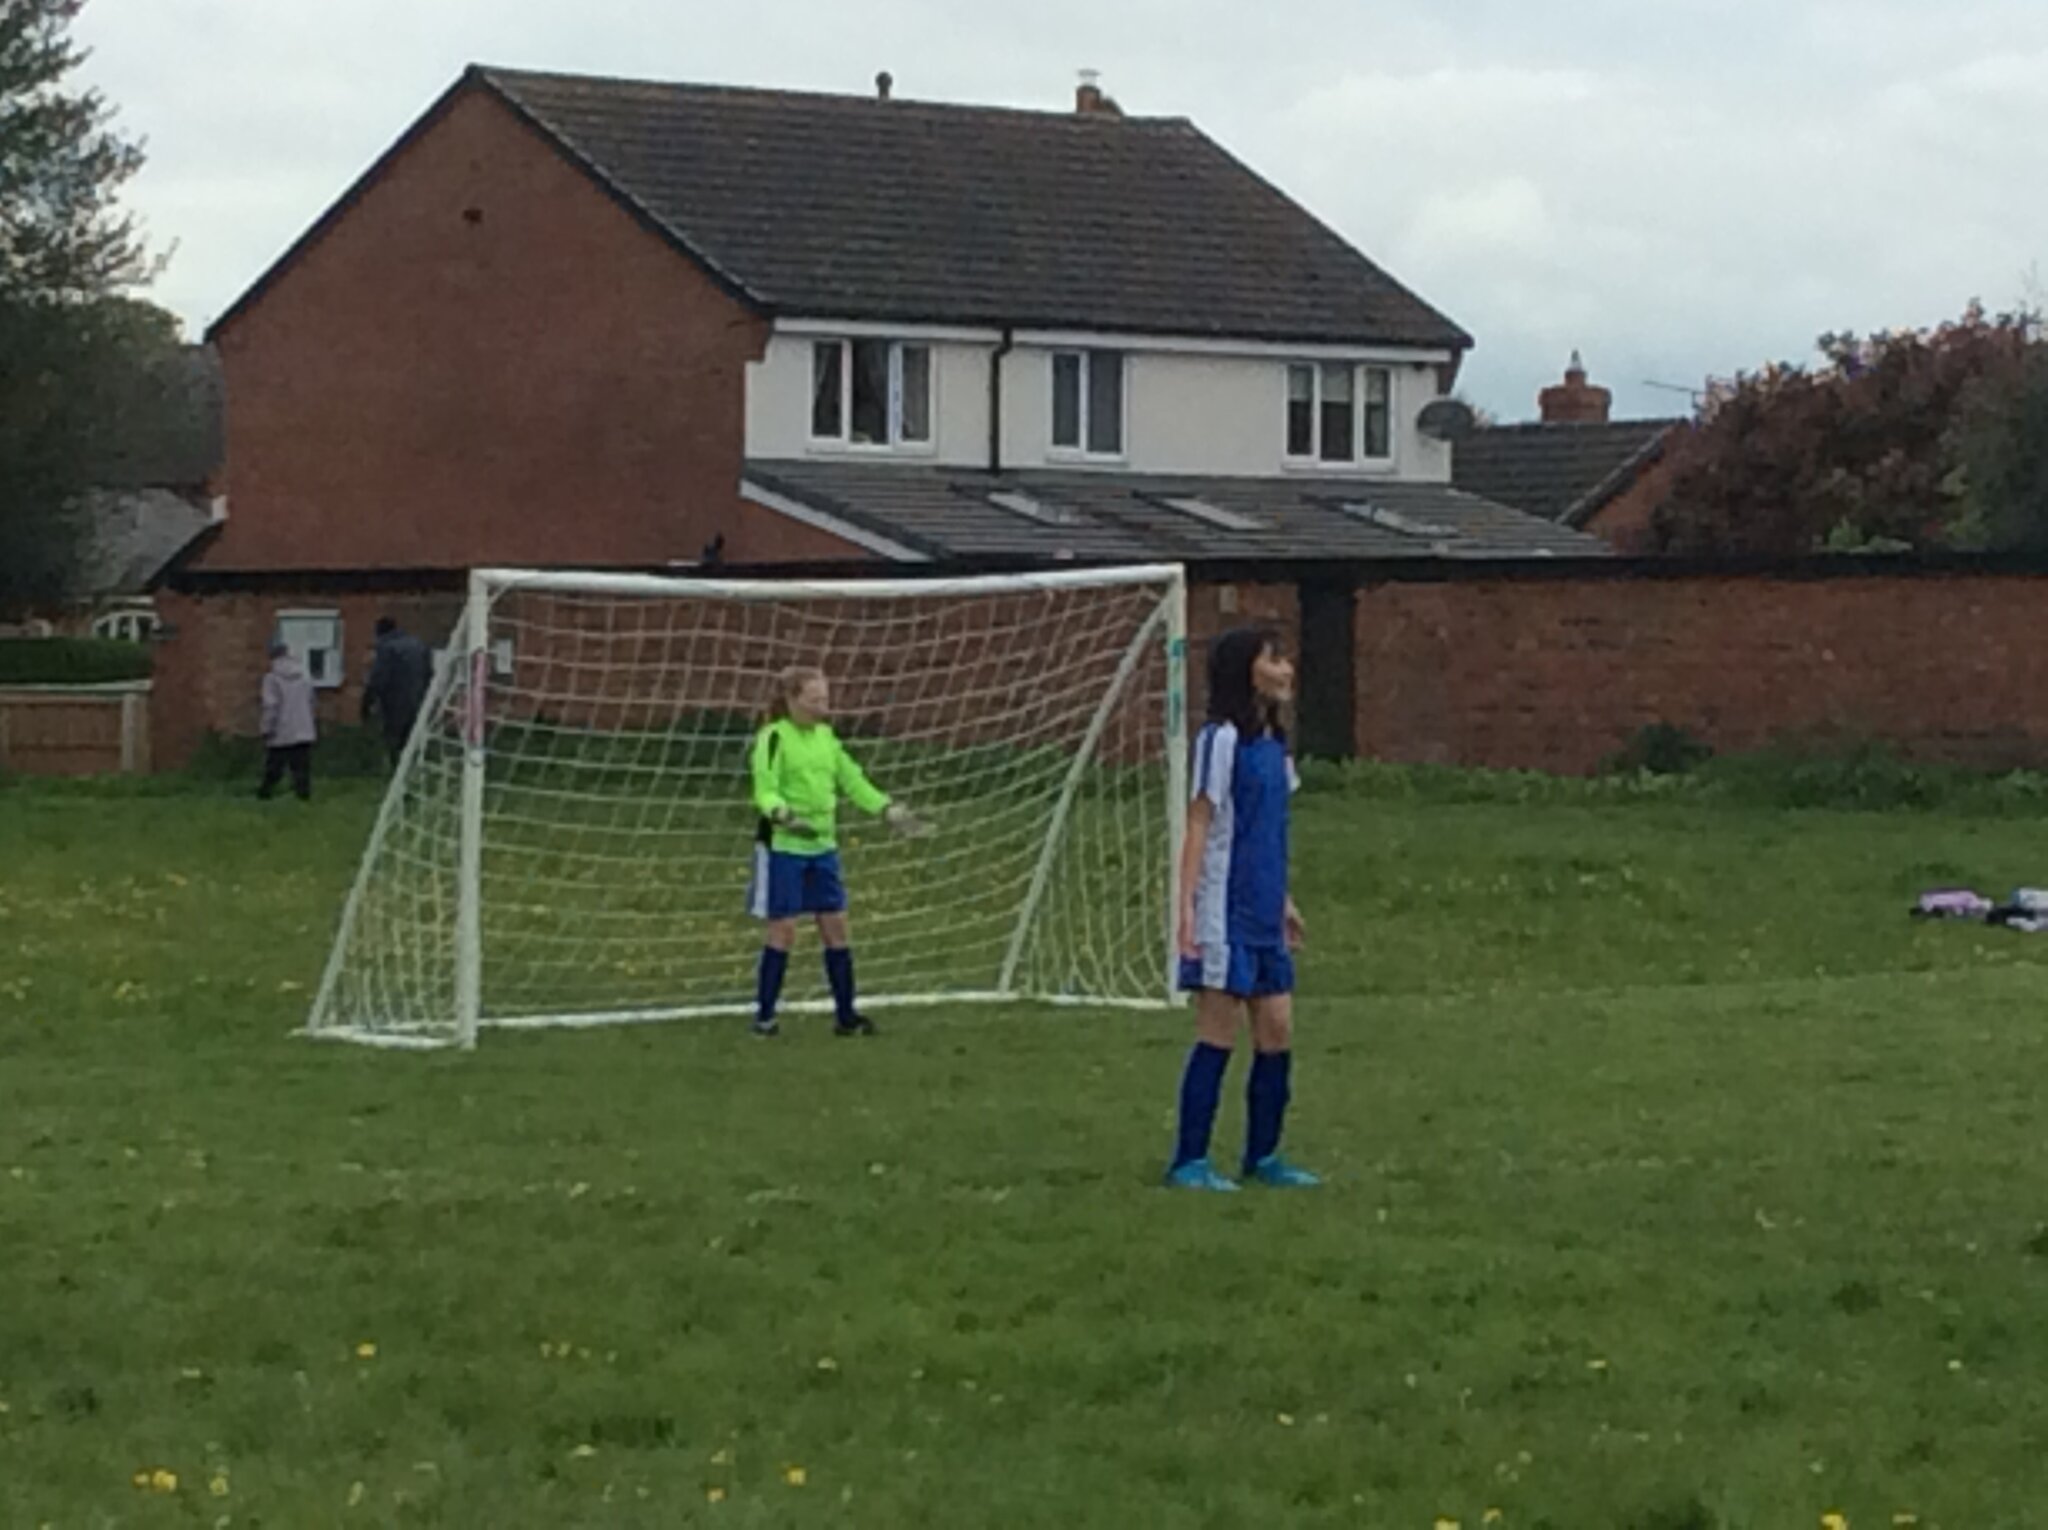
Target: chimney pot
(1575, 401)
(1089, 100)
(885, 83)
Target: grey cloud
(1680, 187)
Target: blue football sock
(1266, 1105)
(768, 982)
(1201, 1085)
(839, 972)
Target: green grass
(1676, 1181)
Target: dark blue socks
(839, 972)
(768, 982)
(1200, 1088)
(1265, 1103)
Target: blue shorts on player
(1243, 972)
(785, 884)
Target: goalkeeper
(800, 769)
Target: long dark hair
(1233, 698)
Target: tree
(1862, 452)
(2002, 461)
(62, 164)
(69, 337)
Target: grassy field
(1676, 1181)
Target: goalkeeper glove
(792, 823)
(905, 822)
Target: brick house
(599, 323)
(1575, 464)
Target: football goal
(568, 834)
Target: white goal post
(568, 833)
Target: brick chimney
(1574, 401)
(1089, 101)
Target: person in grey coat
(288, 726)
(398, 683)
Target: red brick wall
(485, 359)
(1624, 521)
(209, 670)
(1556, 674)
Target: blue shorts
(1243, 972)
(786, 884)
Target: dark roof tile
(852, 207)
(1560, 472)
(947, 513)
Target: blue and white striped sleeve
(1215, 762)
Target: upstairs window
(871, 393)
(1339, 414)
(1088, 403)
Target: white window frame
(333, 673)
(129, 624)
(1080, 451)
(1358, 461)
(896, 444)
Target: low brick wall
(1557, 673)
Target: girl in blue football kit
(1238, 924)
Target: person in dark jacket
(398, 683)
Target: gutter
(995, 398)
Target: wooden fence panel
(86, 730)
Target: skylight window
(1019, 503)
(1395, 521)
(1213, 515)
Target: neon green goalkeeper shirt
(805, 770)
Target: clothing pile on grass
(2026, 909)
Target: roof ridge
(494, 73)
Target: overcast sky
(1681, 188)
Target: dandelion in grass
(1834, 1521)
(367, 1350)
(1444, 1522)
(711, 1495)
(1492, 1517)
(163, 1480)
(584, 1452)
(795, 1476)
(219, 1485)
(1285, 1420)
(827, 1363)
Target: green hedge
(71, 661)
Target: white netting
(1027, 719)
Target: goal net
(569, 834)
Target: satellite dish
(1447, 419)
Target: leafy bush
(72, 661)
(1661, 749)
(1867, 777)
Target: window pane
(869, 419)
(1379, 413)
(1066, 401)
(1336, 412)
(917, 394)
(1301, 411)
(1106, 402)
(826, 415)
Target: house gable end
(474, 79)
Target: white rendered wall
(1184, 413)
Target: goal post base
(418, 1039)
